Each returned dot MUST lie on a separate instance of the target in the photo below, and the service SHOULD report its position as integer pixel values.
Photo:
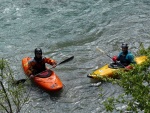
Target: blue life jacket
(126, 58)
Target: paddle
(64, 61)
(103, 52)
(108, 55)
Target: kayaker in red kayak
(125, 57)
(37, 64)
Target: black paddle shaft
(66, 60)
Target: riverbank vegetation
(12, 97)
(136, 86)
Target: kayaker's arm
(30, 65)
(131, 58)
(29, 72)
(50, 61)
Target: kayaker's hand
(129, 67)
(114, 58)
(54, 64)
(31, 76)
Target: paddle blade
(100, 50)
(19, 81)
(66, 60)
(103, 52)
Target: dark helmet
(124, 45)
(38, 50)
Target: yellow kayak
(108, 70)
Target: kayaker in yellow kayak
(37, 64)
(125, 57)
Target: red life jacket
(38, 66)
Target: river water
(71, 27)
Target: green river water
(71, 27)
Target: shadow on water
(55, 95)
(52, 95)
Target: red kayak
(46, 80)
